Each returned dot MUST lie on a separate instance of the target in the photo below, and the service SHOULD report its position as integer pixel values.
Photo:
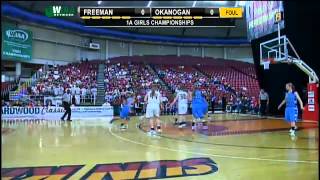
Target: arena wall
(117, 48)
(59, 46)
(140, 49)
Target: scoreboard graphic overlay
(159, 17)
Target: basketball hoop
(266, 63)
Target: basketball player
(153, 103)
(291, 112)
(182, 98)
(199, 107)
(124, 113)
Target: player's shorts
(198, 111)
(182, 109)
(124, 113)
(205, 108)
(152, 111)
(291, 114)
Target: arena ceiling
(224, 33)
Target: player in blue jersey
(291, 112)
(124, 113)
(199, 107)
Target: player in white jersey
(182, 99)
(153, 102)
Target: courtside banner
(55, 112)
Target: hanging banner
(16, 43)
(55, 112)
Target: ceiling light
(241, 3)
(194, 3)
(99, 2)
(220, 2)
(149, 3)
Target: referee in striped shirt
(264, 102)
(66, 102)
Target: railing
(53, 100)
(23, 84)
(6, 87)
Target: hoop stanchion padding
(311, 109)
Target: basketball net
(266, 63)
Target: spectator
(83, 94)
(56, 90)
(73, 90)
(106, 104)
(4, 104)
(68, 76)
(224, 103)
(213, 102)
(94, 94)
(89, 93)
(61, 90)
(77, 96)
(108, 97)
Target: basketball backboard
(275, 49)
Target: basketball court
(238, 140)
(234, 147)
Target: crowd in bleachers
(177, 75)
(80, 78)
(231, 84)
(215, 85)
(124, 78)
(136, 78)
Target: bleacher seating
(137, 73)
(174, 71)
(121, 78)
